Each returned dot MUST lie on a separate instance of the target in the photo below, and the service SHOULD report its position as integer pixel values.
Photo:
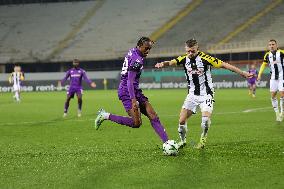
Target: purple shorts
(123, 95)
(71, 92)
(250, 83)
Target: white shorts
(16, 88)
(276, 85)
(205, 102)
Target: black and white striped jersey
(276, 63)
(198, 72)
(16, 78)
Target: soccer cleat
(253, 95)
(281, 116)
(201, 143)
(64, 115)
(181, 144)
(79, 114)
(100, 118)
(278, 117)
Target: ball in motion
(170, 148)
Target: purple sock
(160, 130)
(121, 120)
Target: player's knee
(182, 120)
(80, 100)
(137, 123)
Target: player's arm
(133, 69)
(67, 75)
(85, 77)
(236, 70)
(10, 78)
(263, 65)
(177, 61)
(22, 76)
(217, 63)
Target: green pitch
(40, 149)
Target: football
(170, 148)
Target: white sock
(205, 124)
(106, 115)
(182, 130)
(17, 95)
(274, 102)
(281, 104)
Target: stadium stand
(209, 23)
(39, 32)
(30, 32)
(271, 26)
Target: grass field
(40, 149)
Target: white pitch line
(262, 109)
(256, 109)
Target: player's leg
(148, 110)
(79, 94)
(250, 89)
(80, 102)
(134, 120)
(182, 127)
(188, 108)
(70, 94)
(274, 100)
(206, 105)
(281, 92)
(254, 90)
(16, 90)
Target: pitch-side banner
(227, 81)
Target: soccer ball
(170, 148)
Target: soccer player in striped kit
(16, 79)
(275, 59)
(197, 66)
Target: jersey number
(124, 66)
(209, 102)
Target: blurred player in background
(76, 75)
(252, 81)
(197, 66)
(275, 59)
(16, 79)
(131, 96)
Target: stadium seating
(211, 22)
(32, 32)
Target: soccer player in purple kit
(131, 96)
(76, 75)
(252, 81)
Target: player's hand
(247, 75)
(134, 104)
(93, 84)
(258, 78)
(159, 65)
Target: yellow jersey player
(275, 59)
(197, 66)
(16, 78)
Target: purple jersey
(76, 76)
(134, 62)
(253, 79)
